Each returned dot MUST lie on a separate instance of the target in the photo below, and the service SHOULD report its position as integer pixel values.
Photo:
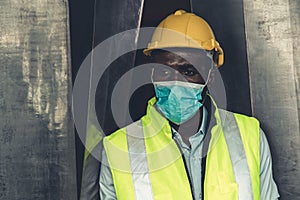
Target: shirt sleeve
(89, 183)
(268, 188)
(107, 189)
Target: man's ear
(216, 57)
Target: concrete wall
(273, 35)
(37, 154)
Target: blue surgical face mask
(178, 101)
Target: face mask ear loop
(208, 77)
(205, 85)
(152, 72)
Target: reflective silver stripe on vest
(237, 155)
(138, 161)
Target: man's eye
(189, 72)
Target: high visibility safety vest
(146, 163)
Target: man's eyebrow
(188, 65)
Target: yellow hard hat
(183, 29)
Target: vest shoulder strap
(242, 133)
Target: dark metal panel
(273, 34)
(81, 32)
(110, 18)
(157, 10)
(37, 155)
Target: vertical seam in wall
(295, 72)
(92, 64)
(94, 26)
(136, 40)
(139, 22)
(191, 6)
(70, 129)
(248, 60)
(89, 88)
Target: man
(185, 147)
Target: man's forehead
(187, 54)
(199, 59)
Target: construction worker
(185, 147)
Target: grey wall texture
(273, 38)
(37, 154)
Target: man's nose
(177, 76)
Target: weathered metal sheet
(37, 154)
(273, 35)
(294, 9)
(110, 18)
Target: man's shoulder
(121, 132)
(237, 115)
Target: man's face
(182, 65)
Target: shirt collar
(202, 128)
(204, 121)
